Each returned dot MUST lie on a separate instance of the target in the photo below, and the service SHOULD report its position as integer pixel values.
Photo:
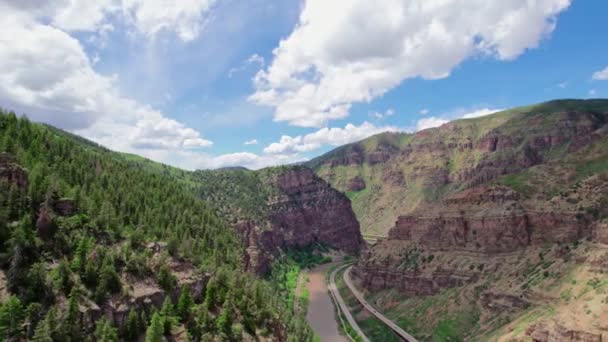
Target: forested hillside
(98, 245)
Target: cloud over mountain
(344, 52)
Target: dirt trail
(321, 314)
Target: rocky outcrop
(65, 207)
(600, 233)
(488, 220)
(11, 172)
(409, 283)
(352, 156)
(304, 210)
(45, 226)
(309, 210)
(393, 178)
(145, 295)
(554, 331)
(356, 184)
(255, 259)
(501, 302)
(381, 154)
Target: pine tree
(166, 279)
(11, 318)
(109, 282)
(62, 277)
(33, 314)
(24, 250)
(211, 294)
(70, 327)
(225, 319)
(132, 327)
(155, 330)
(204, 320)
(184, 304)
(37, 288)
(105, 332)
(46, 329)
(168, 314)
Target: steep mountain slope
(500, 230)
(279, 208)
(392, 174)
(103, 242)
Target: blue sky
(213, 83)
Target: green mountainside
(86, 231)
(392, 174)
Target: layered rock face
(484, 221)
(411, 169)
(309, 210)
(356, 184)
(488, 220)
(304, 210)
(551, 331)
(414, 282)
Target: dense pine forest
(87, 234)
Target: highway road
(400, 332)
(333, 290)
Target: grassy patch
(433, 318)
(304, 294)
(286, 271)
(376, 330)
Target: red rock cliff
(488, 220)
(482, 222)
(305, 210)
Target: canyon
(492, 228)
(294, 209)
(493, 208)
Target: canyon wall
(302, 211)
(392, 174)
(484, 222)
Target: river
(321, 313)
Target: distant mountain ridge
(391, 174)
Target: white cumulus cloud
(194, 161)
(601, 75)
(433, 121)
(185, 18)
(430, 122)
(251, 142)
(348, 51)
(382, 115)
(47, 74)
(334, 136)
(480, 112)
